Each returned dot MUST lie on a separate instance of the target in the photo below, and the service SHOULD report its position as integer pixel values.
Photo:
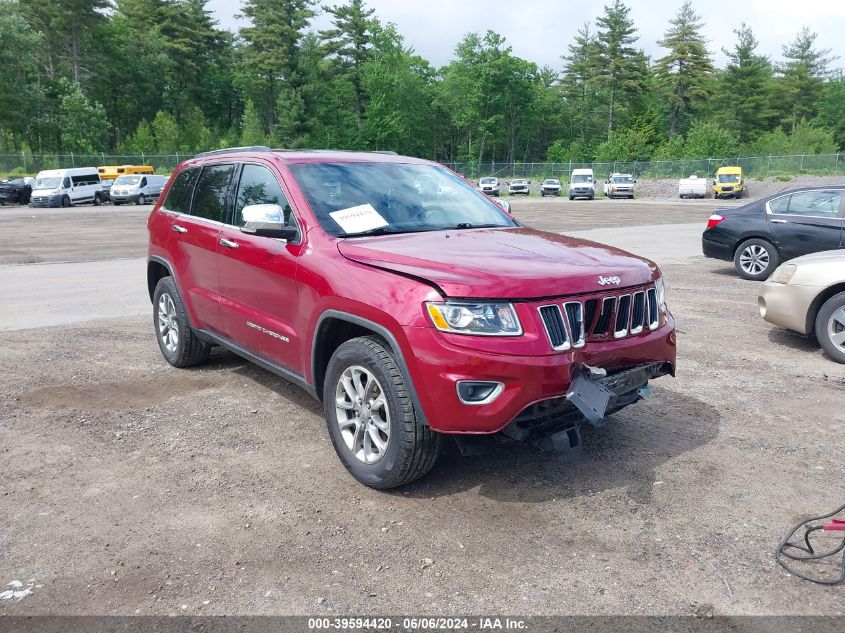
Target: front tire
(371, 418)
(177, 341)
(830, 327)
(141, 199)
(756, 259)
(65, 201)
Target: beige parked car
(807, 295)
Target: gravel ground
(130, 487)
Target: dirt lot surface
(132, 487)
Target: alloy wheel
(168, 326)
(836, 328)
(754, 259)
(363, 415)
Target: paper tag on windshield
(357, 219)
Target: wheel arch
(818, 302)
(334, 328)
(754, 236)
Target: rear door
(807, 221)
(259, 301)
(196, 204)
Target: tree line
(160, 76)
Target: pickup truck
(550, 187)
(412, 306)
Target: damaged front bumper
(593, 395)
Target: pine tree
(802, 74)
(252, 132)
(272, 58)
(684, 73)
(350, 44)
(619, 73)
(579, 81)
(745, 87)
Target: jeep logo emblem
(606, 281)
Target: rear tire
(177, 341)
(830, 327)
(97, 200)
(401, 447)
(756, 259)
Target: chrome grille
(571, 324)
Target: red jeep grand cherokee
(408, 302)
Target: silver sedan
(807, 295)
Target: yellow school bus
(108, 173)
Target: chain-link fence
(754, 167)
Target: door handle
(179, 229)
(228, 243)
(779, 221)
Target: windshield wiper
(381, 230)
(468, 225)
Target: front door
(807, 221)
(258, 291)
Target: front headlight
(484, 319)
(660, 290)
(783, 274)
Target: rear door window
(212, 192)
(180, 192)
(823, 204)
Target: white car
(518, 186)
(620, 186)
(582, 184)
(550, 187)
(489, 185)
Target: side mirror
(266, 220)
(506, 206)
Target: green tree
(620, 71)
(349, 43)
(166, 131)
(141, 141)
(83, 123)
(744, 88)
(271, 60)
(625, 145)
(252, 131)
(578, 86)
(707, 139)
(685, 72)
(801, 80)
(18, 60)
(832, 109)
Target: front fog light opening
(477, 392)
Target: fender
(381, 331)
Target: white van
(65, 187)
(136, 188)
(582, 184)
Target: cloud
(541, 30)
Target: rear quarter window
(179, 196)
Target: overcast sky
(540, 30)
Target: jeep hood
(518, 263)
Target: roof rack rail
(384, 151)
(233, 150)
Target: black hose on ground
(787, 548)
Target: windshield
(406, 198)
(519, 182)
(622, 180)
(728, 177)
(582, 178)
(487, 181)
(48, 183)
(551, 182)
(127, 180)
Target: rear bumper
(787, 305)
(716, 245)
(437, 366)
